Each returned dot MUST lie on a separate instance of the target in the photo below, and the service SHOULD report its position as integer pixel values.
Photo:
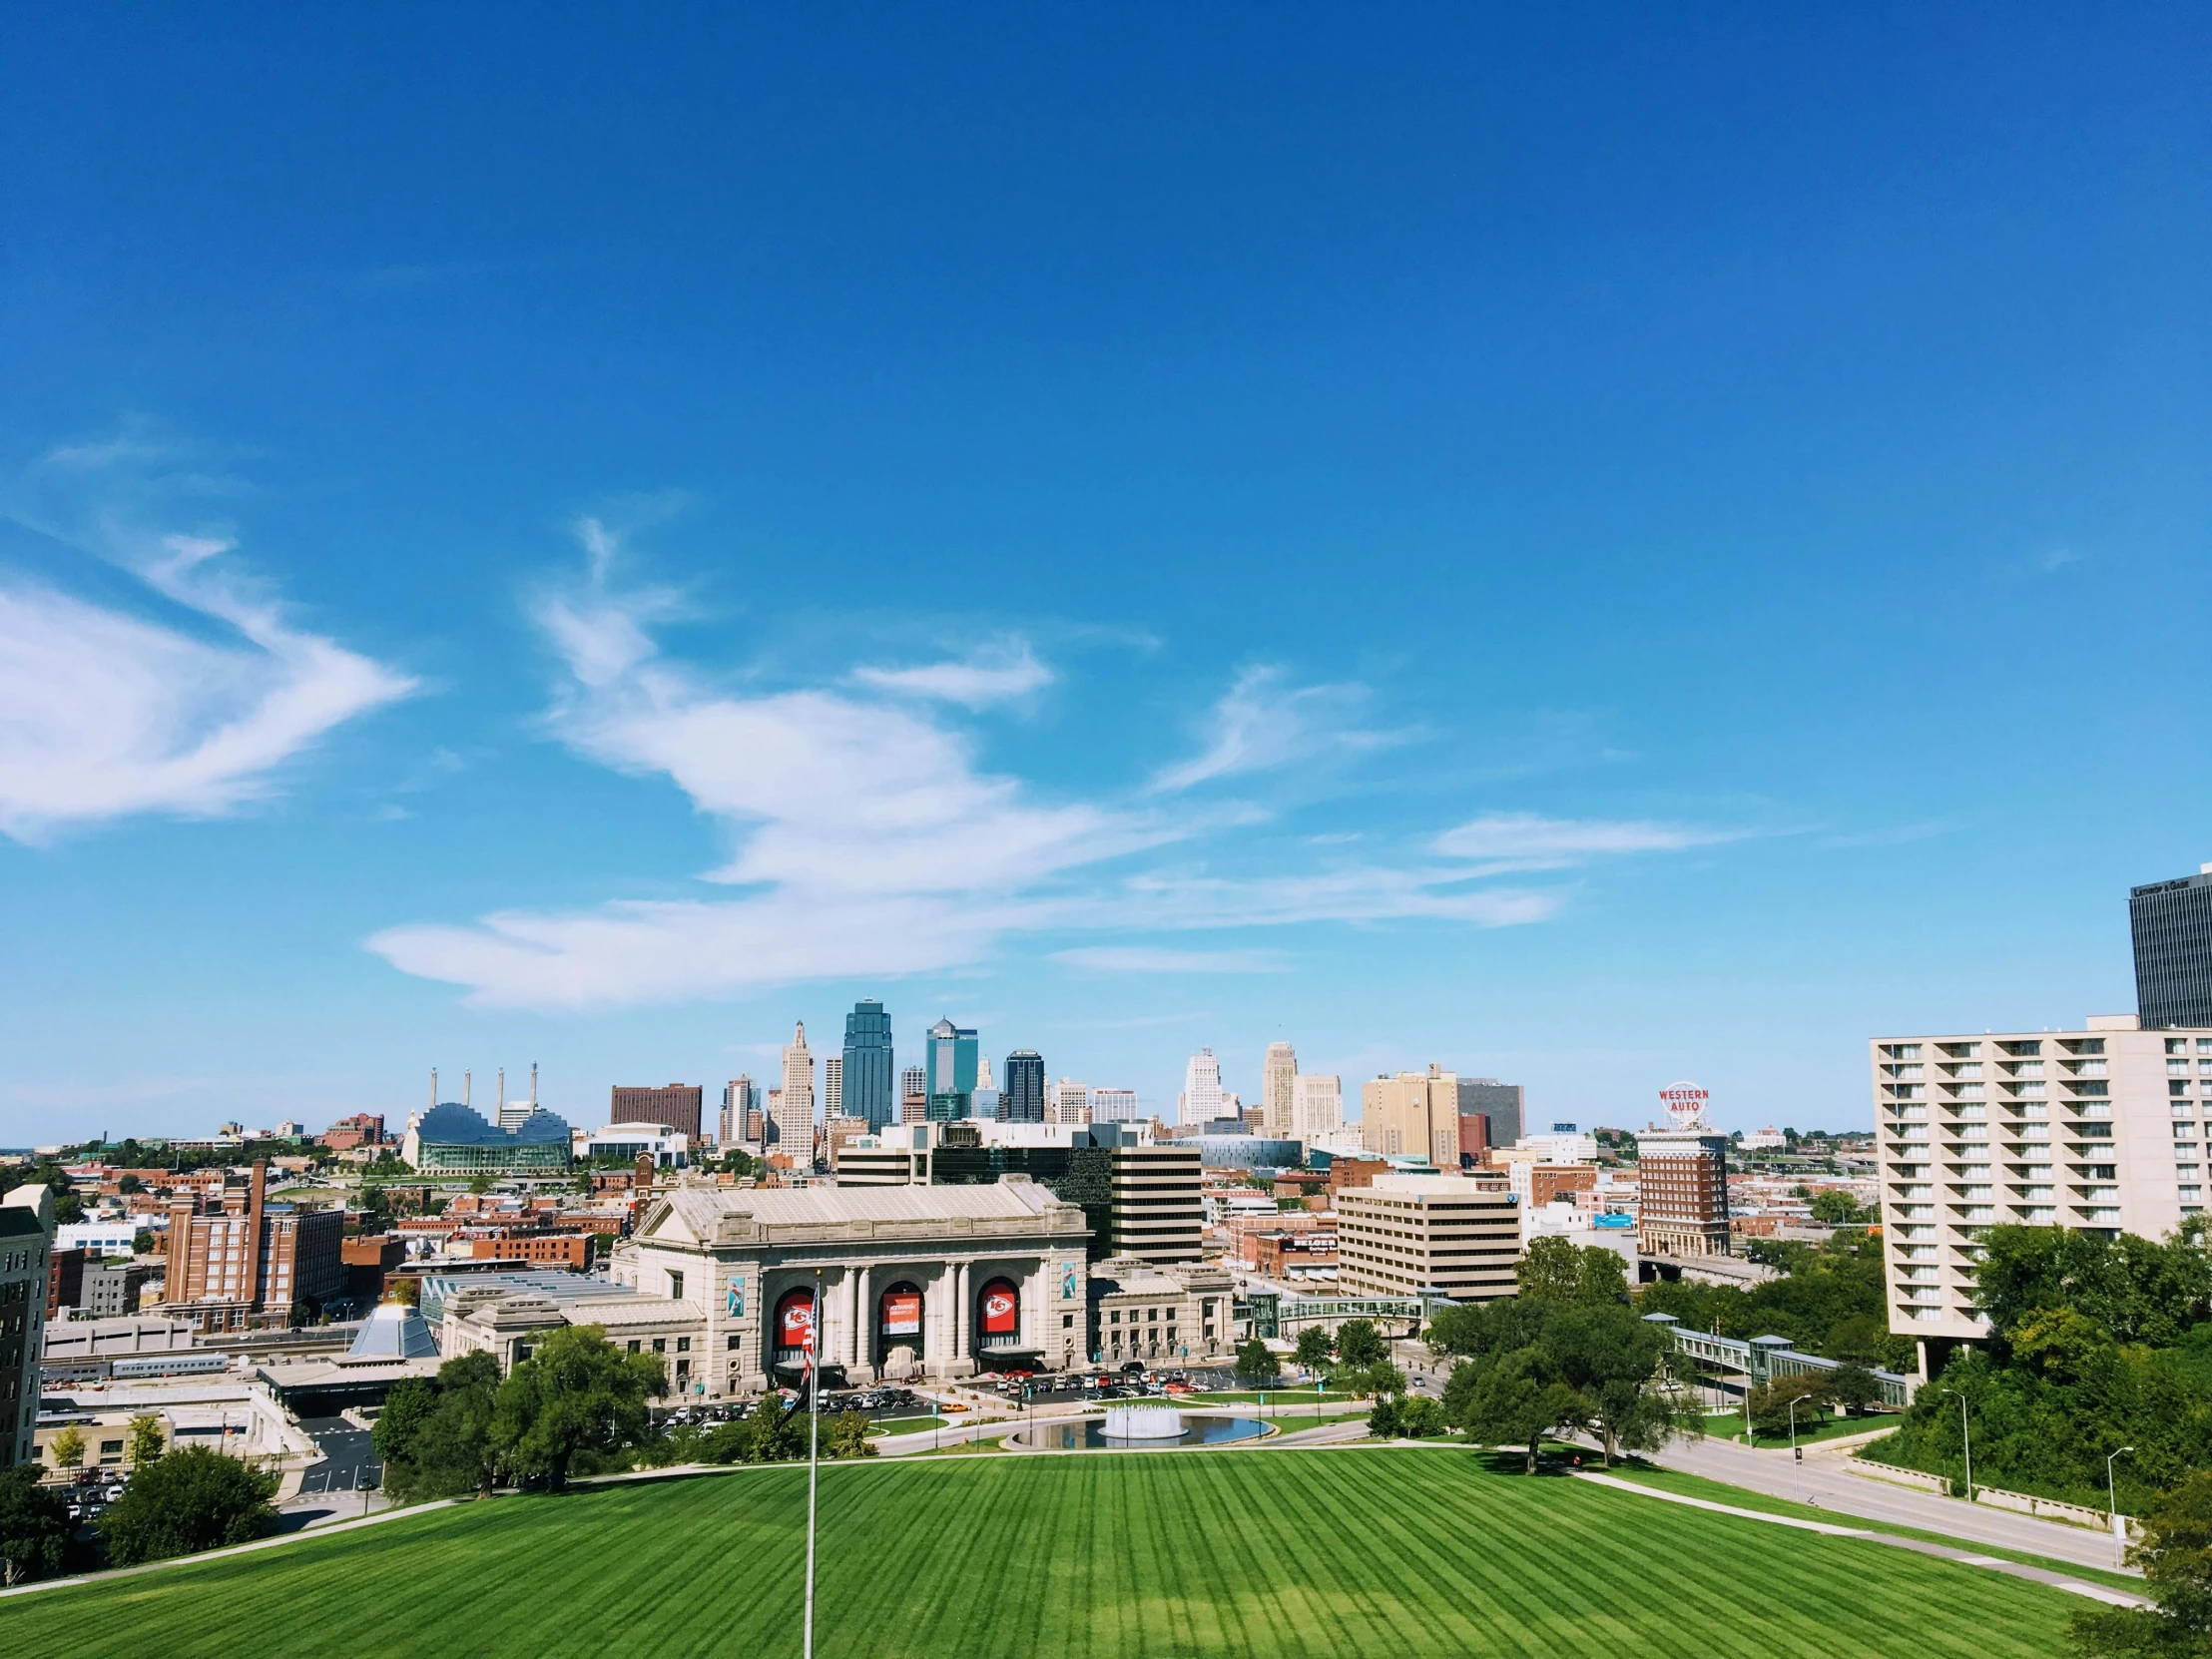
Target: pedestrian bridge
(1271, 1314)
(1763, 1359)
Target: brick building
(678, 1105)
(1682, 1193)
(251, 1261)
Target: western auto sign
(901, 1311)
(794, 1322)
(1685, 1102)
(1001, 1309)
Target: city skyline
(1215, 536)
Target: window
(659, 1345)
(633, 1345)
(733, 1343)
(676, 1287)
(683, 1345)
(683, 1370)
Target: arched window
(1000, 1322)
(899, 1315)
(795, 1326)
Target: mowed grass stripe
(1263, 1554)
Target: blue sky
(1591, 547)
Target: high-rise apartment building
(1316, 1106)
(26, 1250)
(832, 1086)
(2102, 1129)
(2172, 924)
(1068, 1102)
(1405, 1235)
(1021, 1100)
(793, 1110)
(984, 1103)
(739, 1096)
(1682, 1192)
(951, 1056)
(1278, 1091)
(1202, 1100)
(1114, 1106)
(1501, 1103)
(676, 1104)
(1412, 1115)
(868, 1083)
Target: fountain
(1143, 1422)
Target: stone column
(864, 1347)
(961, 1313)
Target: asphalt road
(349, 1461)
(1821, 1480)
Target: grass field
(1729, 1425)
(1304, 1554)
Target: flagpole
(813, 1454)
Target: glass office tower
(950, 1061)
(1021, 1095)
(2172, 924)
(867, 1066)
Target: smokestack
(467, 1077)
(502, 1091)
(533, 1085)
(433, 1085)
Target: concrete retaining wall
(2026, 1503)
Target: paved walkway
(1823, 1481)
(2012, 1569)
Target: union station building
(917, 1282)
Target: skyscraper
(1068, 1101)
(795, 1112)
(868, 1065)
(2172, 924)
(1412, 1115)
(740, 1095)
(1316, 1106)
(1022, 1100)
(1114, 1106)
(832, 1086)
(1501, 1103)
(984, 1103)
(1201, 1099)
(678, 1105)
(1277, 1085)
(951, 1061)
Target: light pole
(2112, 1509)
(1793, 1453)
(814, 1452)
(1966, 1436)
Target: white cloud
(981, 680)
(1503, 842)
(1262, 722)
(105, 713)
(1111, 959)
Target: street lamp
(1965, 1434)
(2112, 1508)
(1793, 1453)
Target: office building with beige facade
(1414, 1114)
(2100, 1129)
(1408, 1235)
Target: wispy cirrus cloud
(1000, 675)
(1499, 842)
(107, 713)
(868, 839)
(1264, 720)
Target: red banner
(1001, 1308)
(901, 1311)
(794, 1320)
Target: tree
(1256, 1363)
(479, 1184)
(69, 1450)
(1617, 1363)
(188, 1500)
(1517, 1399)
(846, 1436)
(1374, 1381)
(576, 1394)
(769, 1433)
(146, 1441)
(435, 1434)
(1767, 1405)
(34, 1526)
(2176, 1558)
(1854, 1388)
(1360, 1344)
(1553, 1270)
(1420, 1418)
(1837, 1208)
(130, 1184)
(1315, 1349)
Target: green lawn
(907, 1426)
(1292, 1396)
(1728, 1425)
(1405, 1554)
